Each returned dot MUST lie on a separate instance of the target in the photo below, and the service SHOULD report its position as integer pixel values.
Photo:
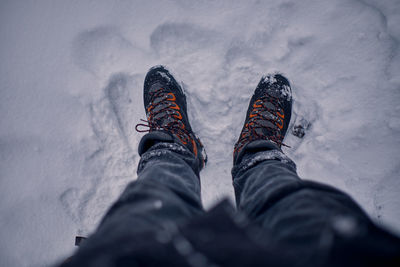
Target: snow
(71, 77)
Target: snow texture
(71, 76)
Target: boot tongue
(264, 131)
(155, 87)
(266, 126)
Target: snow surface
(71, 77)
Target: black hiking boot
(269, 113)
(166, 110)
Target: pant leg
(305, 214)
(166, 193)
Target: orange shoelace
(249, 132)
(157, 116)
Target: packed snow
(71, 77)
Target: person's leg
(304, 214)
(321, 225)
(270, 192)
(167, 190)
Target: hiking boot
(269, 113)
(166, 110)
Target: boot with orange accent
(268, 115)
(166, 110)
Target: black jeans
(303, 215)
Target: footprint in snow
(111, 153)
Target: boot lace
(256, 117)
(164, 114)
